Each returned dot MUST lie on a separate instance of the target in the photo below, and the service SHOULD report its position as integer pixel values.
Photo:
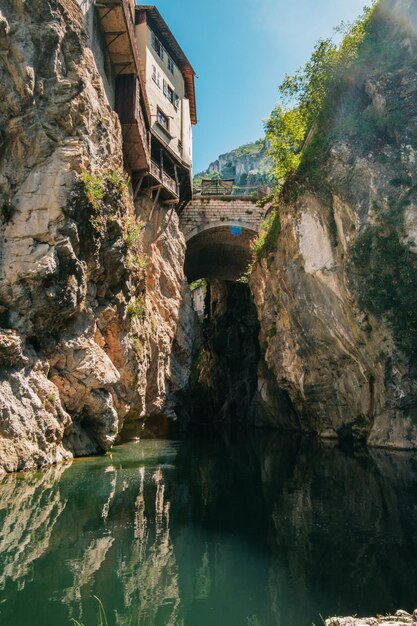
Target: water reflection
(214, 530)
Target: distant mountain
(249, 165)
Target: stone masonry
(205, 213)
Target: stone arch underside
(222, 252)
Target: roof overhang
(161, 28)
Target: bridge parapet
(206, 212)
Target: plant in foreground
(101, 615)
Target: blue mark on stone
(236, 231)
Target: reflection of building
(150, 83)
(199, 299)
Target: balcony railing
(223, 188)
(162, 177)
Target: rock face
(337, 299)
(223, 380)
(90, 287)
(249, 165)
(400, 617)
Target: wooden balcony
(135, 136)
(161, 177)
(117, 22)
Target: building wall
(179, 119)
(198, 299)
(97, 44)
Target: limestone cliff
(249, 165)
(90, 284)
(337, 300)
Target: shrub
(103, 194)
(201, 282)
(266, 241)
(133, 233)
(307, 101)
(136, 308)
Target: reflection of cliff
(339, 521)
(29, 508)
(224, 529)
(151, 575)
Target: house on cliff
(149, 82)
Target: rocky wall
(90, 283)
(336, 300)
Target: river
(211, 530)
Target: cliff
(249, 165)
(337, 298)
(90, 284)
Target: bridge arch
(218, 231)
(220, 250)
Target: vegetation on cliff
(297, 130)
(337, 98)
(250, 165)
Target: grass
(133, 234)
(102, 195)
(101, 615)
(138, 262)
(136, 308)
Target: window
(169, 92)
(156, 77)
(163, 120)
(171, 65)
(157, 46)
(176, 102)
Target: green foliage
(103, 193)
(134, 233)
(307, 102)
(285, 131)
(136, 308)
(266, 241)
(250, 149)
(94, 187)
(139, 263)
(215, 175)
(101, 615)
(201, 282)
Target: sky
(241, 50)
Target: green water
(210, 531)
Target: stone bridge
(218, 231)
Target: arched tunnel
(219, 252)
(224, 379)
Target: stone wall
(204, 213)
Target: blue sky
(240, 50)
